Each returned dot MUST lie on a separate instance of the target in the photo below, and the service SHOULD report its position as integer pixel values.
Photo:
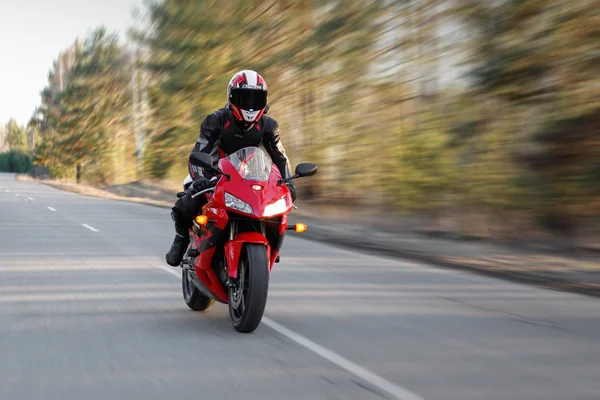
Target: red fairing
(283, 225)
(242, 189)
(233, 250)
(203, 262)
(209, 277)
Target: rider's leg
(182, 214)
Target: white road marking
(172, 271)
(30, 198)
(375, 380)
(51, 209)
(91, 228)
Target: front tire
(192, 296)
(248, 298)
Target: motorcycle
(236, 239)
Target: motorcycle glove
(201, 183)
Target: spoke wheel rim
(239, 291)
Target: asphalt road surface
(89, 310)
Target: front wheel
(248, 298)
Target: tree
(84, 124)
(538, 61)
(16, 137)
(190, 66)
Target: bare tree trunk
(137, 129)
(417, 20)
(78, 173)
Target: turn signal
(201, 219)
(300, 228)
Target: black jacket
(220, 136)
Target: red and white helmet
(247, 94)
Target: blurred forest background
(485, 109)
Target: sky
(34, 32)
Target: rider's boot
(182, 238)
(177, 251)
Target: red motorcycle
(237, 238)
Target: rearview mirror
(202, 160)
(306, 169)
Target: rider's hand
(201, 183)
(292, 190)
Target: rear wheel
(192, 296)
(248, 298)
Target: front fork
(234, 247)
(232, 232)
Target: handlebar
(210, 189)
(214, 179)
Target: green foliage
(16, 137)
(419, 173)
(15, 161)
(158, 157)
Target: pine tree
(82, 124)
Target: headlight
(237, 204)
(280, 206)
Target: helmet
(247, 95)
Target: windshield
(252, 163)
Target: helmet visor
(248, 99)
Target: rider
(241, 123)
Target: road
(89, 310)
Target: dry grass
(93, 191)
